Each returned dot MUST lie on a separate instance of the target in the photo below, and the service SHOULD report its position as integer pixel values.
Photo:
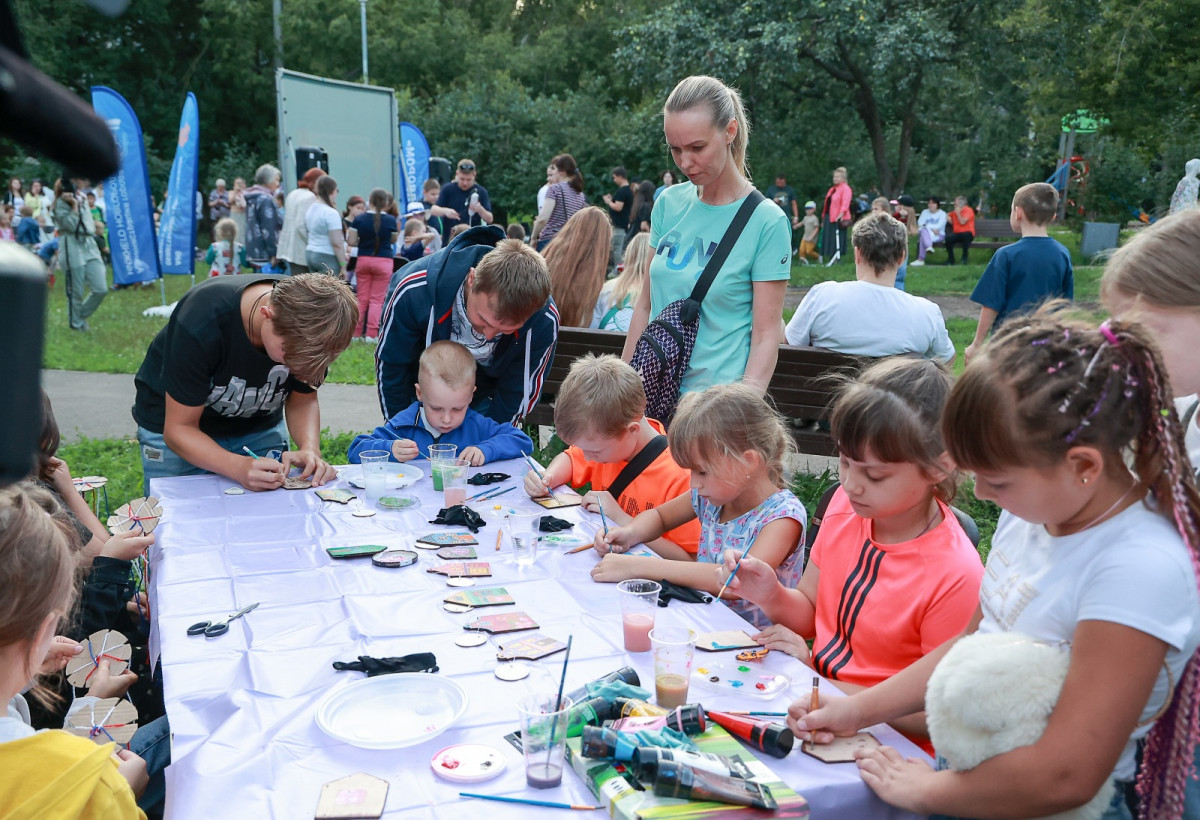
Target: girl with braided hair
(1072, 431)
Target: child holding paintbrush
(735, 446)
(892, 575)
(442, 414)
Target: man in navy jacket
(491, 295)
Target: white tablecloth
(242, 706)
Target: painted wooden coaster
(358, 795)
(140, 513)
(530, 648)
(512, 671)
(295, 482)
(725, 639)
(446, 539)
(753, 654)
(494, 596)
(459, 582)
(106, 644)
(457, 553)
(469, 639)
(478, 569)
(502, 622)
(394, 559)
(336, 495)
(107, 720)
(468, 763)
(87, 483)
(234, 491)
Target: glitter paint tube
(688, 783)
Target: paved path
(97, 405)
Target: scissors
(211, 629)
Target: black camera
(67, 184)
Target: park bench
(998, 233)
(801, 390)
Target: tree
(887, 54)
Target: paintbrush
(736, 567)
(492, 492)
(537, 468)
(558, 701)
(527, 802)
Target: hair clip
(1107, 333)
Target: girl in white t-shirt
(1088, 555)
(326, 248)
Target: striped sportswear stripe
(829, 659)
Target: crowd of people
(1085, 436)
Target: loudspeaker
(307, 158)
(441, 169)
(23, 282)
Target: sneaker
(916, 263)
(371, 340)
(820, 260)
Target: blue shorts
(160, 461)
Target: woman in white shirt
(326, 248)
(932, 223)
(293, 237)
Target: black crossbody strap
(637, 465)
(726, 245)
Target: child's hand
(311, 465)
(133, 769)
(61, 650)
(616, 539)
(835, 717)
(60, 475)
(404, 449)
(593, 501)
(473, 455)
(138, 604)
(535, 486)
(127, 545)
(755, 581)
(613, 568)
(968, 354)
(261, 474)
(785, 640)
(106, 685)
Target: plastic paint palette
(744, 678)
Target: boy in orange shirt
(601, 413)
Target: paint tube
(605, 743)
(626, 674)
(647, 760)
(688, 783)
(774, 739)
(592, 712)
(631, 707)
(688, 719)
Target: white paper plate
(392, 711)
(398, 475)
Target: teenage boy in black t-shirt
(463, 201)
(238, 356)
(620, 206)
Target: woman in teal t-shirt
(741, 317)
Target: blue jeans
(152, 743)
(160, 461)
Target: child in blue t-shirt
(1028, 272)
(442, 414)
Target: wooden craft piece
(359, 551)
(336, 495)
(459, 582)
(456, 608)
(559, 500)
(467, 569)
(106, 644)
(87, 483)
(842, 749)
(725, 639)
(358, 795)
(512, 671)
(397, 502)
(363, 512)
(503, 622)
(495, 596)
(295, 482)
(753, 654)
(107, 720)
(446, 539)
(530, 648)
(469, 639)
(234, 491)
(140, 513)
(394, 559)
(457, 553)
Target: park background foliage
(924, 96)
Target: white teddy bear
(993, 693)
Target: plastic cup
(674, 651)
(438, 455)
(374, 467)
(454, 481)
(525, 532)
(639, 602)
(544, 738)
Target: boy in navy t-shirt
(1028, 272)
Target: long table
(242, 706)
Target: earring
(1085, 481)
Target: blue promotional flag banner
(177, 225)
(130, 210)
(414, 164)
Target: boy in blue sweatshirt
(442, 414)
